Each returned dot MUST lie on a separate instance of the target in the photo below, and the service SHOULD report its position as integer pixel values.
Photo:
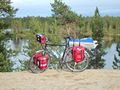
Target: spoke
(79, 65)
(75, 65)
(68, 61)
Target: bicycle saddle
(68, 37)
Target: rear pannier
(78, 53)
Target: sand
(62, 80)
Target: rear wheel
(74, 66)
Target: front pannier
(36, 56)
(42, 62)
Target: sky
(81, 7)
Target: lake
(109, 57)
(20, 45)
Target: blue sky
(83, 7)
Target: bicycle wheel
(34, 68)
(74, 66)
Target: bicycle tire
(34, 68)
(72, 65)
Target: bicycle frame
(44, 47)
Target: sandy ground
(54, 80)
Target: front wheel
(74, 66)
(33, 67)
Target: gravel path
(54, 80)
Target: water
(21, 44)
(109, 57)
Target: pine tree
(5, 11)
(65, 17)
(97, 34)
(116, 62)
(63, 13)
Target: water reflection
(20, 45)
(109, 57)
(116, 62)
(16, 43)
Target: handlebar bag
(41, 38)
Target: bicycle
(65, 62)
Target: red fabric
(43, 62)
(78, 53)
(36, 55)
(41, 38)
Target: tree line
(111, 25)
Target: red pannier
(78, 53)
(36, 56)
(41, 38)
(42, 62)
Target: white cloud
(85, 7)
(31, 2)
(17, 2)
